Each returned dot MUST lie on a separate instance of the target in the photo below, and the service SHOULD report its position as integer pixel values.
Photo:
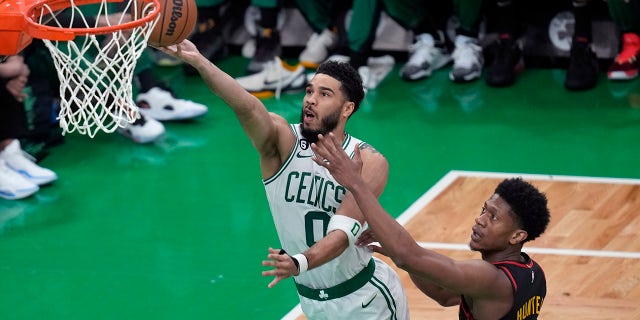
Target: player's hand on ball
(184, 50)
(283, 266)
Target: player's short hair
(527, 203)
(349, 78)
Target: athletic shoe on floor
(21, 162)
(339, 58)
(277, 76)
(507, 63)
(161, 105)
(376, 70)
(318, 48)
(424, 57)
(467, 60)
(143, 130)
(13, 185)
(267, 48)
(582, 73)
(625, 66)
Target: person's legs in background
(326, 19)
(468, 58)
(430, 50)
(20, 177)
(361, 34)
(507, 61)
(582, 73)
(267, 35)
(208, 36)
(362, 31)
(626, 14)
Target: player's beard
(328, 124)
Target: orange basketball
(177, 20)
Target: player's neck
(508, 254)
(339, 133)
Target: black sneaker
(582, 73)
(507, 63)
(267, 48)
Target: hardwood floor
(590, 252)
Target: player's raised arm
(490, 288)
(257, 122)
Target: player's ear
(518, 236)
(348, 108)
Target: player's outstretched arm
(256, 121)
(473, 277)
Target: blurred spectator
(507, 61)
(324, 17)
(426, 19)
(468, 59)
(430, 50)
(270, 75)
(20, 177)
(582, 73)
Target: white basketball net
(96, 71)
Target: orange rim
(41, 31)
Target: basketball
(177, 20)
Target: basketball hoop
(95, 62)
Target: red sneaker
(627, 63)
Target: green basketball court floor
(177, 229)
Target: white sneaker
(161, 105)
(339, 58)
(13, 185)
(318, 48)
(467, 60)
(143, 130)
(277, 76)
(22, 163)
(424, 58)
(372, 74)
(376, 70)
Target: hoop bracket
(13, 38)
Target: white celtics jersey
(303, 196)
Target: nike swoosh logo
(271, 82)
(299, 155)
(364, 305)
(284, 80)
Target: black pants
(13, 119)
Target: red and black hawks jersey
(529, 289)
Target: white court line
(451, 176)
(294, 313)
(561, 252)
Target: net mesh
(96, 70)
